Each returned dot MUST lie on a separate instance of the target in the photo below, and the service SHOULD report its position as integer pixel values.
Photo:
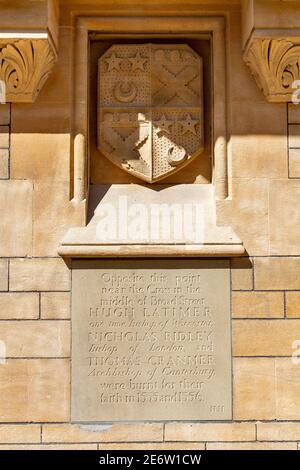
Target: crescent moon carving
(176, 155)
(125, 92)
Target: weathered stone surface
(25, 433)
(34, 390)
(49, 447)
(294, 163)
(4, 137)
(241, 274)
(36, 338)
(4, 164)
(18, 306)
(16, 218)
(103, 433)
(277, 273)
(210, 432)
(39, 155)
(258, 156)
(254, 389)
(294, 136)
(154, 446)
(287, 388)
(293, 113)
(284, 217)
(52, 216)
(3, 274)
(255, 304)
(293, 304)
(278, 431)
(252, 446)
(177, 310)
(4, 114)
(46, 274)
(249, 204)
(55, 305)
(252, 337)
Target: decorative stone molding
(275, 65)
(24, 68)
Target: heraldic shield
(150, 108)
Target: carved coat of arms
(150, 108)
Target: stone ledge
(216, 241)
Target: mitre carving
(275, 65)
(24, 68)
(150, 110)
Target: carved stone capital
(24, 68)
(275, 65)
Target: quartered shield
(150, 108)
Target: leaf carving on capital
(275, 65)
(24, 68)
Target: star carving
(189, 124)
(163, 124)
(113, 62)
(138, 62)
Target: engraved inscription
(150, 340)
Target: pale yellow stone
(4, 159)
(293, 304)
(277, 273)
(16, 218)
(278, 431)
(294, 136)
(210, 432)
(294, 163)
(241, 274)
(55, 305)
(264, 337)
(4, 114)
(49, 447)
(252, 446)
(294, 113)
(288, 387)
(52, 216)
(27, 433)
(103, 433)
(46, 274)
(14, 306)
(4, 137)
(260, 155)
(46, 118)
(247, 213)
(3, 275)
(284, 217)
(40, 155)
(257, 304)
(35, 390)
(36, 338)
(154, 446)
(254, 389)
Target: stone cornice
(25, 65)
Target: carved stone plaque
(150, 110)
(151, 340)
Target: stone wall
(35, 325)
